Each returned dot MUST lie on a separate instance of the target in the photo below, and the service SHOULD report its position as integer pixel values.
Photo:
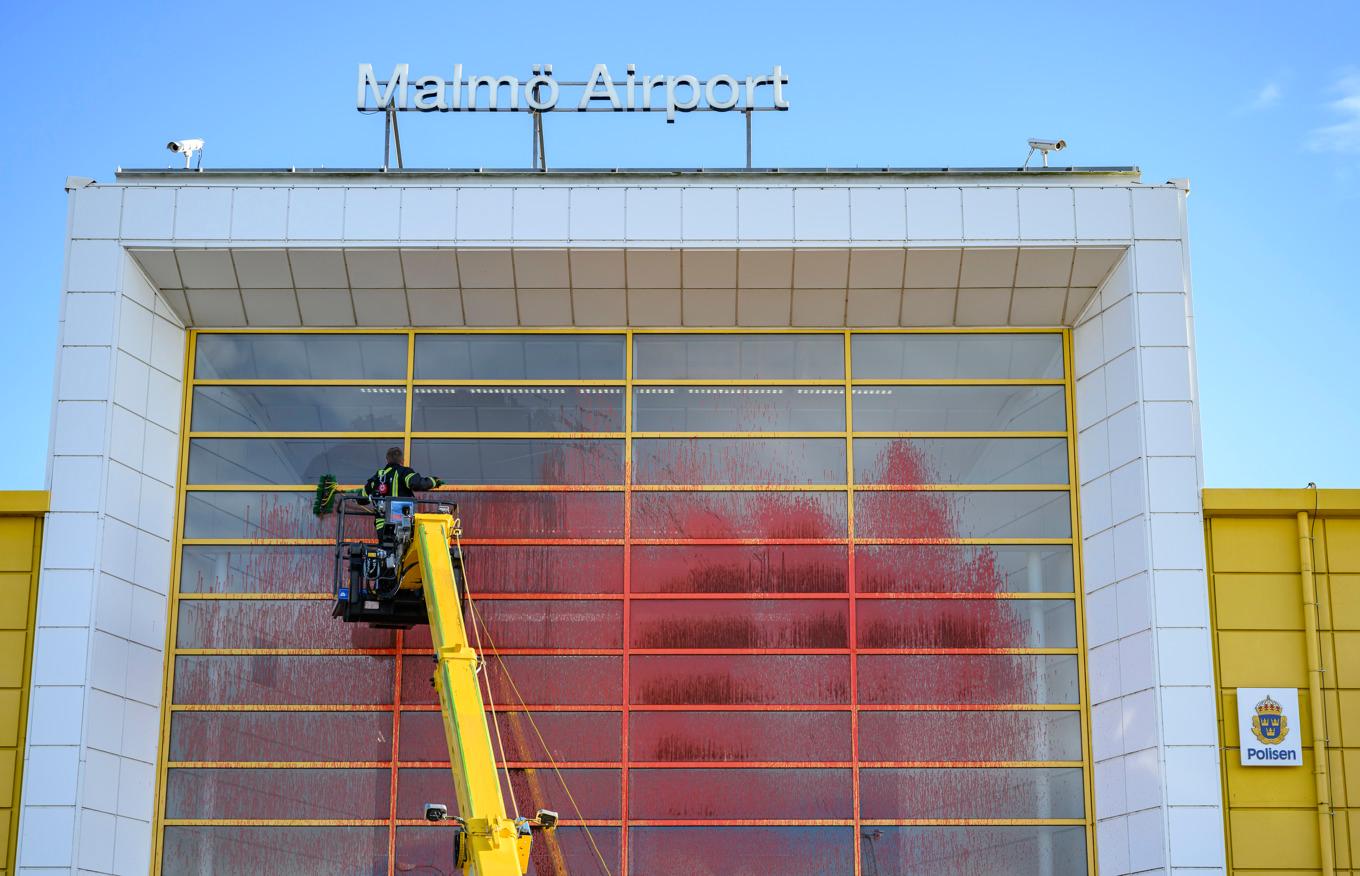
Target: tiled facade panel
(100, 632)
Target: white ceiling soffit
(965, 286)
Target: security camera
(188, 148)
(1043, 147)
(436, 812)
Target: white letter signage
(601, 92)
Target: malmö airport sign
(827, 522)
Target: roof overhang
(508, 286)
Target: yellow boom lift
(414, 575)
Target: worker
(396, 481)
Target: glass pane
(271, 623)
(967, 679)
(995, 792)
(525, 515)
(959, 409)
(979, 850)
(558, 680)
(947, 568)
(739, 409)
(239, 850)
(277, 793)
(534, 623)
(969, 736)
(545, 568)
(957, 514)
(285, 460)
(762, 515)
(740, 623)
(520, 460)
(256, 569)
(519, 357)
(966, 623)
(280, 736)
(596, 791)
(948, 356)
(749, 357)
(739, 736)
(517, 409)
(744, 679)
(739, 793)
(571, 736)
(742, 851)
(739, 568)
(738, 461)
(428, 850)
(299, 409)
(283, 679)
(300, 357)
(909, 461)
(263, 515)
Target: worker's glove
(438, 482)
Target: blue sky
(1257, 103)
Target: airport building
(824, 521)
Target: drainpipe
(1321, 767)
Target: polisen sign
(1268, 726)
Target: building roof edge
(1278, 503)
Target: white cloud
(1343, 136)
(1267, 97)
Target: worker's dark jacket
(397, 481)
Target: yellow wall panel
(1344, 592)
(14, 587)
(1255, 545)
(1288, 787)
(1347, 650)
(13, 651)
(1262, 659)
(1274, 838)
(1351, 780)
(21, 517)
(16, 541)
(10, 708)
(1348, 715)
(1343, 545)
(8, 759)
(1256, 591)
(1351, 818)
(1258, 602)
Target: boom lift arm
(490, 842)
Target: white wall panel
(202, 213)
(259, 214)
(991, 213)
(316, 213)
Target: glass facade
(803, 603)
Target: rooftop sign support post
(542, 93)
(391, 133)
